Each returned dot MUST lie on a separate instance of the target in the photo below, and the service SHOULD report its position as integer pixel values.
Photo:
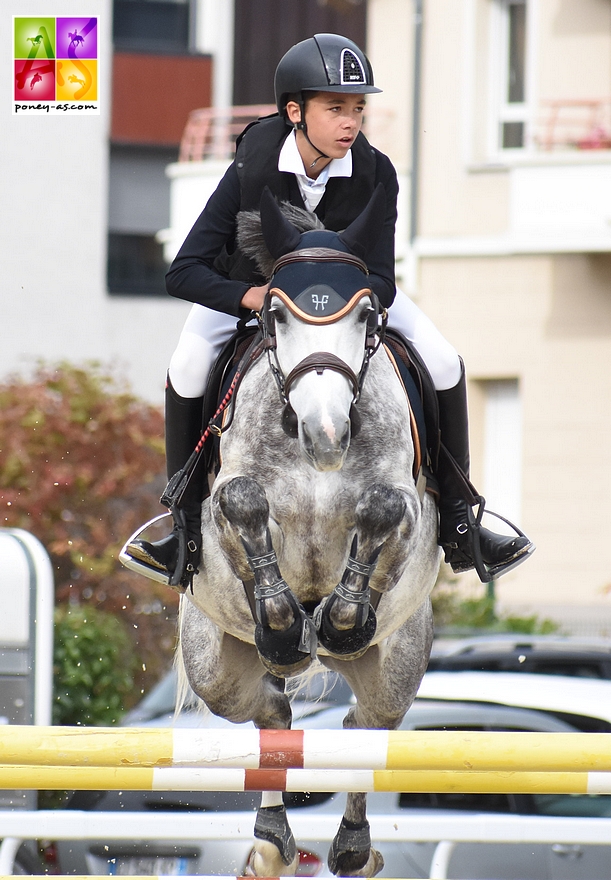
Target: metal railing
(443, 829)
(580, 124)
(210, 133)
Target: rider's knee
(189, 373)
(446, 367)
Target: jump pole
(219, 779)
(374, 750)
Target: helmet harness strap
(301, 126)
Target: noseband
(319, 361)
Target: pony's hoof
(275, 852)
(344, 643)
(287, 652)
(351, 853)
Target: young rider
(311, 154)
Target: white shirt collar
(290, 160)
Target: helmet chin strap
(301, 126)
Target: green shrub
(93, 666)
(81, 466)
(457, 614)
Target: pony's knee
(380, 510)
(244, 505)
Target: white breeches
(206, 331)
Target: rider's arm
(192, 275)
(381, 262)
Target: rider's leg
(499, 553)
(201, 340)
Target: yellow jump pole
(312, 749)
(219, 779)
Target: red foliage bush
(81, 467)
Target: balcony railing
(211, 133)
(577, 124)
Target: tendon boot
(175, 559)
(466, 543)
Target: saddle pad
(422, 399)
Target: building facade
(510, 255)
(497, 114)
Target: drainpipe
(413, 208)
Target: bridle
(319, 361)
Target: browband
(319, 255)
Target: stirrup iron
(139, 566)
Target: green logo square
(34, 37)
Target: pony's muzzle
(326, 443)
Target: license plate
(125, 866)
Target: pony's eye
(364, 314)
(278, 315)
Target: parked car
(508, 652)
(402, 859)
(583, 703)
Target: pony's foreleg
(345, 620)
(227, 675)
(283, 634)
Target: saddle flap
(424, 408)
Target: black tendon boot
(465, 542)
(183, 428)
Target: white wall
(53, 221)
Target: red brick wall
(152, 95)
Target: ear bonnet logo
(55, 65)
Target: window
(138, 208)
(510, 60)
(151, 25)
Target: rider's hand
(253, 298)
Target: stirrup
(149, 571)
(493, 572)
(182, 576)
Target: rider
(313, 154)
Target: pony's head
(320, 318)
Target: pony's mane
(250, 237)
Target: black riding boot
(465, 542)
(183, 428)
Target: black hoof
(350, 849)
(345, 642)
(272, 825)
(289, 651)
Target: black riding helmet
(323, 63)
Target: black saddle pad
(219, 382)
(422, 396)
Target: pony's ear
(280, 236)
(362, 234)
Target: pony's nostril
(306, 438)
(345, 440)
